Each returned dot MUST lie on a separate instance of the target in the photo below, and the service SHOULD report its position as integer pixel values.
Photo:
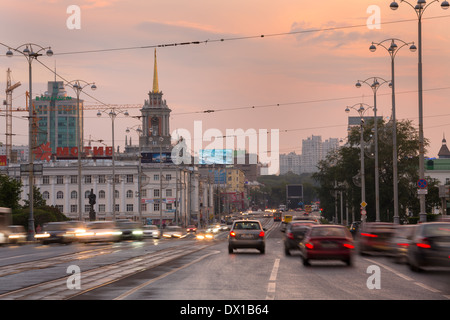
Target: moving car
(327, 242)
(16, 234)
(375, 237)
(400, 241)
(430, 246)
(151, 231)
(191, 228)
(174, 232)
(130, 230)
(247, 234)
(295, 231)
(54, 232)
(100, 231)
(204, 235)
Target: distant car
(327, 242)
(430, 246)
(54, 232)
(174, 232)
(204, 235)
(151, 231)
(101, 231)
(247, 234)
(130, 230)
(191, 228)
(295, 231)
(400, 241)
(213, 228)
(375, 237)
(16, 234)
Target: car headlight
(138, 232)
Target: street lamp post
(420, 8)
(375, 85)
(31, 52)
(78, 86)
(361, 110)
(113, 114)
(392, 50)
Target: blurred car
(204, 235)
(100, 231)
(430, 246)
(130, 230)
(223, 227)
(54, 232)
(327, 242)
(174, 232)
(400, 242)
(375, 237)
(151, 231)
(16, 234)
(247, 234)
(295, 231)
(215, 228)
(191, 228)
(74, 229)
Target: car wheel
(230, 249)
(262, 250)
(348, 262)
(287, 251)
(306, 262)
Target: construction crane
(8, 105)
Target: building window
(129, 207)
(73, 179)
(73, 195)
(117, 208)
(156, 177)
(87, 208)
(101, 194)
(46, 195)
(45, 180)
(168, 192)
(60, 207)
(60, 195)
(73, 208)
(86, 194)
(129, 178)
(129, 194)
(101, 208)
(88, 179)
(102, 178)
(156, 192)
(59, 179)
(156, 207)
(168, 206)
(117, 195)
(143, 207)
(168, 177)
(143, 193)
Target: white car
(151, 231)
(100, 231)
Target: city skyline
(298, 78)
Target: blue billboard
(216, 156)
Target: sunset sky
(311, 75)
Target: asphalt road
(189, 270)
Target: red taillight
(349, 246)
(423, 243)
(232, 234)
(369, 235)
(261, 234)
(309, 245)
(403, 244)
(290, 235)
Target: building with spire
(155, 119)
(444, 153)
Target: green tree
(10, 189)
(343, 166)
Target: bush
(41, 216)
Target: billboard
(294, 195)
(215, 156)
(156, 157)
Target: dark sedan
(327, 242)
(430, 246)
(295, 231)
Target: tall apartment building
(311, 153)
(57, 117)
(328, 146)
(290, 163)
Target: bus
(277, 216)
(5, 221)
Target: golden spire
(155, 78)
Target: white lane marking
(271, 286)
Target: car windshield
(105, 225)
(247, 225)
(151, 227)
(328, 232)
(437, 230)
